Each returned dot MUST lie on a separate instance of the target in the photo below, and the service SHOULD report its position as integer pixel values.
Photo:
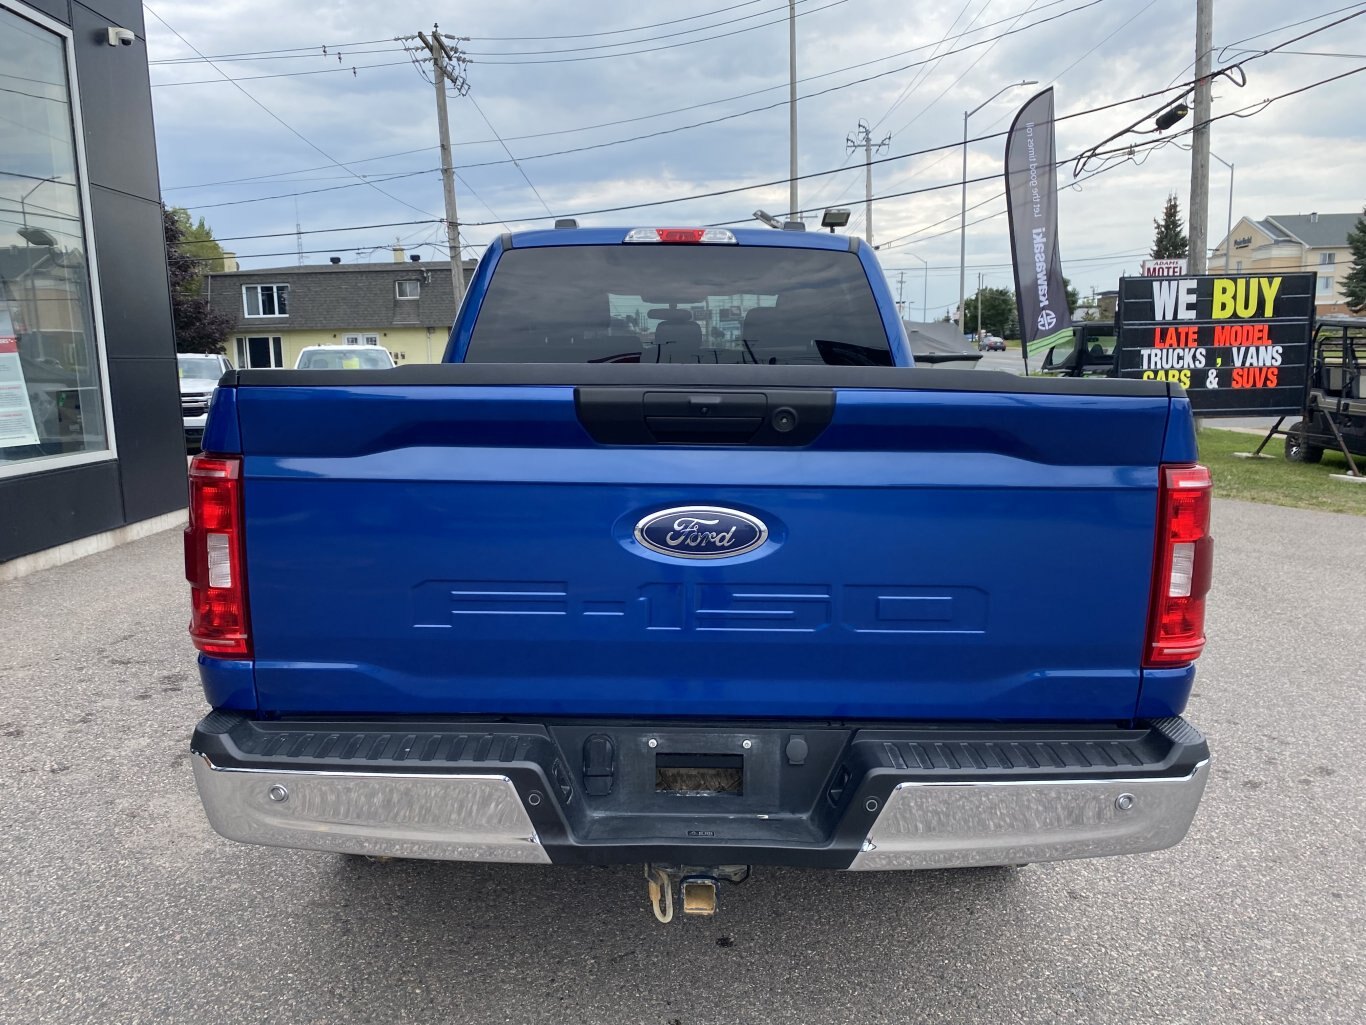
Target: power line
(311, 231)
(930, 69)
(332, 188)
(1304, 53)
(1267, 32)
(934, 149)
(321, 51)
(697, 124)
(715, 102)
(1281, 28)
(953, 268)
(1150, 144)
(282, 74)
(303, 170)
(771, 106)
(1053, 81)
(646, 39)
(292, 130)
(248, 54)
(353, 69)
(1128, 152)
(979, 58)
(615, 31)
(368, 247)
(1242, 112)
(515, 163)
(914, 83)
(492, 212)
(668, 46)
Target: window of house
(408, 289)
(263, 352)
(53, 398)
(1238, 266)
(361, 339)
(1325, 284)
(1326, 259)
(265, 300)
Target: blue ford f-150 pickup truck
(612, 584)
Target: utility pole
(925, 287)
(900, 291)
(979, 306)
(443, 57)
(1199, 198)
(792, 214)
(863, 137)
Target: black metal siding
(42, 510)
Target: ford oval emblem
(701, 532)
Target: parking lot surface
(119, 904)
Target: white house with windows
(1283, 243)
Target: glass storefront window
(52, 398)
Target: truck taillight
(214, 563)
(1181, 568)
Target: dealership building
(91, 447)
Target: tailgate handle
(638, 416)
(711, 418)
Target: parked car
(794, 602)
(199, 376)
(344, 357)
(992, 343)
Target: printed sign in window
(16, 414)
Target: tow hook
(696, 885)
(661, 893)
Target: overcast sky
(1291, 157)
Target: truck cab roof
(609, 236)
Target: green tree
(1354, 284)
(998, 313)
(1169, 241)
(197, 240)
(1073, 297)
(198, 326)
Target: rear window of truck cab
(679, 304)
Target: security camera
(120, 36)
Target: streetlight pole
(23, 210)
(978, 303)
(1228, 242)
(925, 287)
(963, 211)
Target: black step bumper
(822, 795)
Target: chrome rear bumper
(861, 798)
(451, 818)
(482, 818)
(958, 825)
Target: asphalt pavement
(119, 904)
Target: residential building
(1293, 242)
(91, 445)
(406, 305)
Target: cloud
(1288, 157)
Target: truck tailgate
(951, 546)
